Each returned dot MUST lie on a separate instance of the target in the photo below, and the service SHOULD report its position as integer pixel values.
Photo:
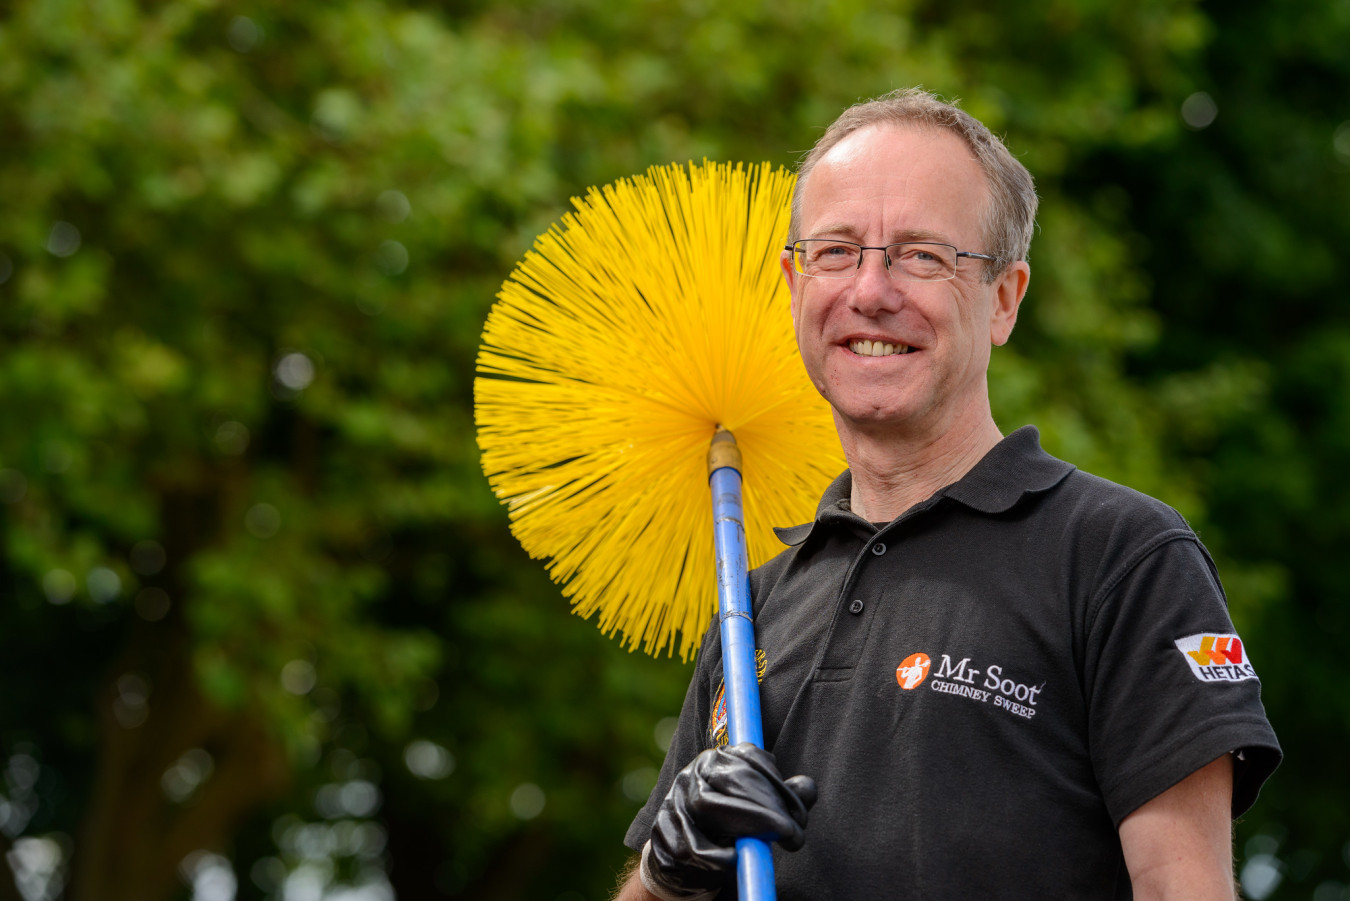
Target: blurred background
(263, 631)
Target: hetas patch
(1216, 657)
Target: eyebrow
(913, 234)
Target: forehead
(888, 182)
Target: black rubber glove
(721, 795)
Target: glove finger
(749, 772)
(761, 760)
(683, 856)
(742, 770)
(728, 817)
(804, 787)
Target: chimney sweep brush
(639, 355)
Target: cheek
(974, 316)
(809, 312)
(798, 327)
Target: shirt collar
(1013, 468)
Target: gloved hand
(722, 794)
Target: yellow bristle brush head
(636, 326)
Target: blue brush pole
(754, 859)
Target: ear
(790, 276)
(1009, 290)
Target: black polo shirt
(985, 687)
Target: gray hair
(1009, 218)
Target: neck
(893, 472)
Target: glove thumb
(804, 787)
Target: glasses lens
(923, 262)
(827, 259)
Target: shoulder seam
(1140, 554)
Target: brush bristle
(636, 325)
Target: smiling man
(1002, 677)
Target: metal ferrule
(723, 453)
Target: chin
(867, 418)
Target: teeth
(869, 348)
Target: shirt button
(856, 606)
(878, 548)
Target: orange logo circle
(913, 670)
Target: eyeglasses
(913, 261)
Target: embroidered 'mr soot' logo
(960, 679)
(1216, 658)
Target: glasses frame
(862, 253)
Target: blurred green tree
(269, 625)
(1244, 213)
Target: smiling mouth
(867, 348)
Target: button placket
(852, 621)
(857, 604)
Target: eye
(924, 261)
(822, 256)
(908, 253)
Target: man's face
(883, 185)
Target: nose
(874, 289)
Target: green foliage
(244, 263)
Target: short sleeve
(686, 744)
(1169, 684)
